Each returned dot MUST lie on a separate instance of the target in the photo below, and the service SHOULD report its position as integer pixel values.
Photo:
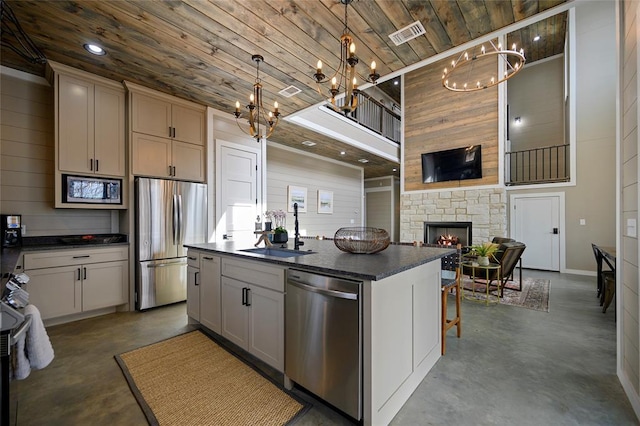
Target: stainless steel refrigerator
(168, 214)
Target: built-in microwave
(91, 190)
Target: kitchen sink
(277, 252)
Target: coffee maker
(11, 230)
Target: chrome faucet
(296, 239)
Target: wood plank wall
(437, 119)
(27, 161)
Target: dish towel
(33, 348)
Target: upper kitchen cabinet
(167, 135)
(89, 119)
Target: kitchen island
(400, 309)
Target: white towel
(33, 348)
(21, 366)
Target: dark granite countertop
(331, 260)
(9, 256)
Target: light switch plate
(583, 222)
(632, 230)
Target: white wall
(627, 291)
(28, 161)
(286, 166)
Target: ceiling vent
(288, 92)
(407, 33)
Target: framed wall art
(297, 194)
(325, 202)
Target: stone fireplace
(448, 233)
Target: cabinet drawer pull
(192, 258)
(82, 257)
(248, 297)
(196, 278)
(79, 277)
(91, 164)
(97, 165)
(207, 258)
(84, 277)
(244, 296)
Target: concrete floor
(511, 366)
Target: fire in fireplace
(448, 233)
(448, 240)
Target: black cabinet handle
(97, 165)
(91, 164)
(81, 257)
(84, 277)
(170, 170)
(244, 296)
(196, 278)
(170, 131)
(78, 275)
(248, 294)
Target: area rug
(191, 380)
(534, 294)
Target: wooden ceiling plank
(452, 20)
(436, 33)
(279, 73)
(476, 17)
(377, 30)
(500, 13)
(400, 17)
(331, 11)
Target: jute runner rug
(191, 380)
(534, 294)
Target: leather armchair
(508, 256)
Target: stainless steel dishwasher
(324, 339)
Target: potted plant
(484, 251)
(280, 234)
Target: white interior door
(237, 185)
(535, 221)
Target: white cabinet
(90, 132)
(65, 282)
(162, 116)
(168, 135)
(210, 305)
(193, 292)
(162, 157)
(203, 289)
(253, 308)
(55, 291)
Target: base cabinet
(253, 309)
(55, 291)
(203, 289)
(67, 282)
(210, 305)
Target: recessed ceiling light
(363, 160)
(536, 38)
(395, 170)
(308, 143)
(342, 153)
(396, 82)
(95, 49)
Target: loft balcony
(549, 164)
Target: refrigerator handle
(180, 221)
(175, 219)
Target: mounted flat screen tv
(452, 164)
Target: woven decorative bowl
(362, 240)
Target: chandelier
(344, 79)
(460, 77)
(257, 110)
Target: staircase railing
(549, 164)
(375, 116)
